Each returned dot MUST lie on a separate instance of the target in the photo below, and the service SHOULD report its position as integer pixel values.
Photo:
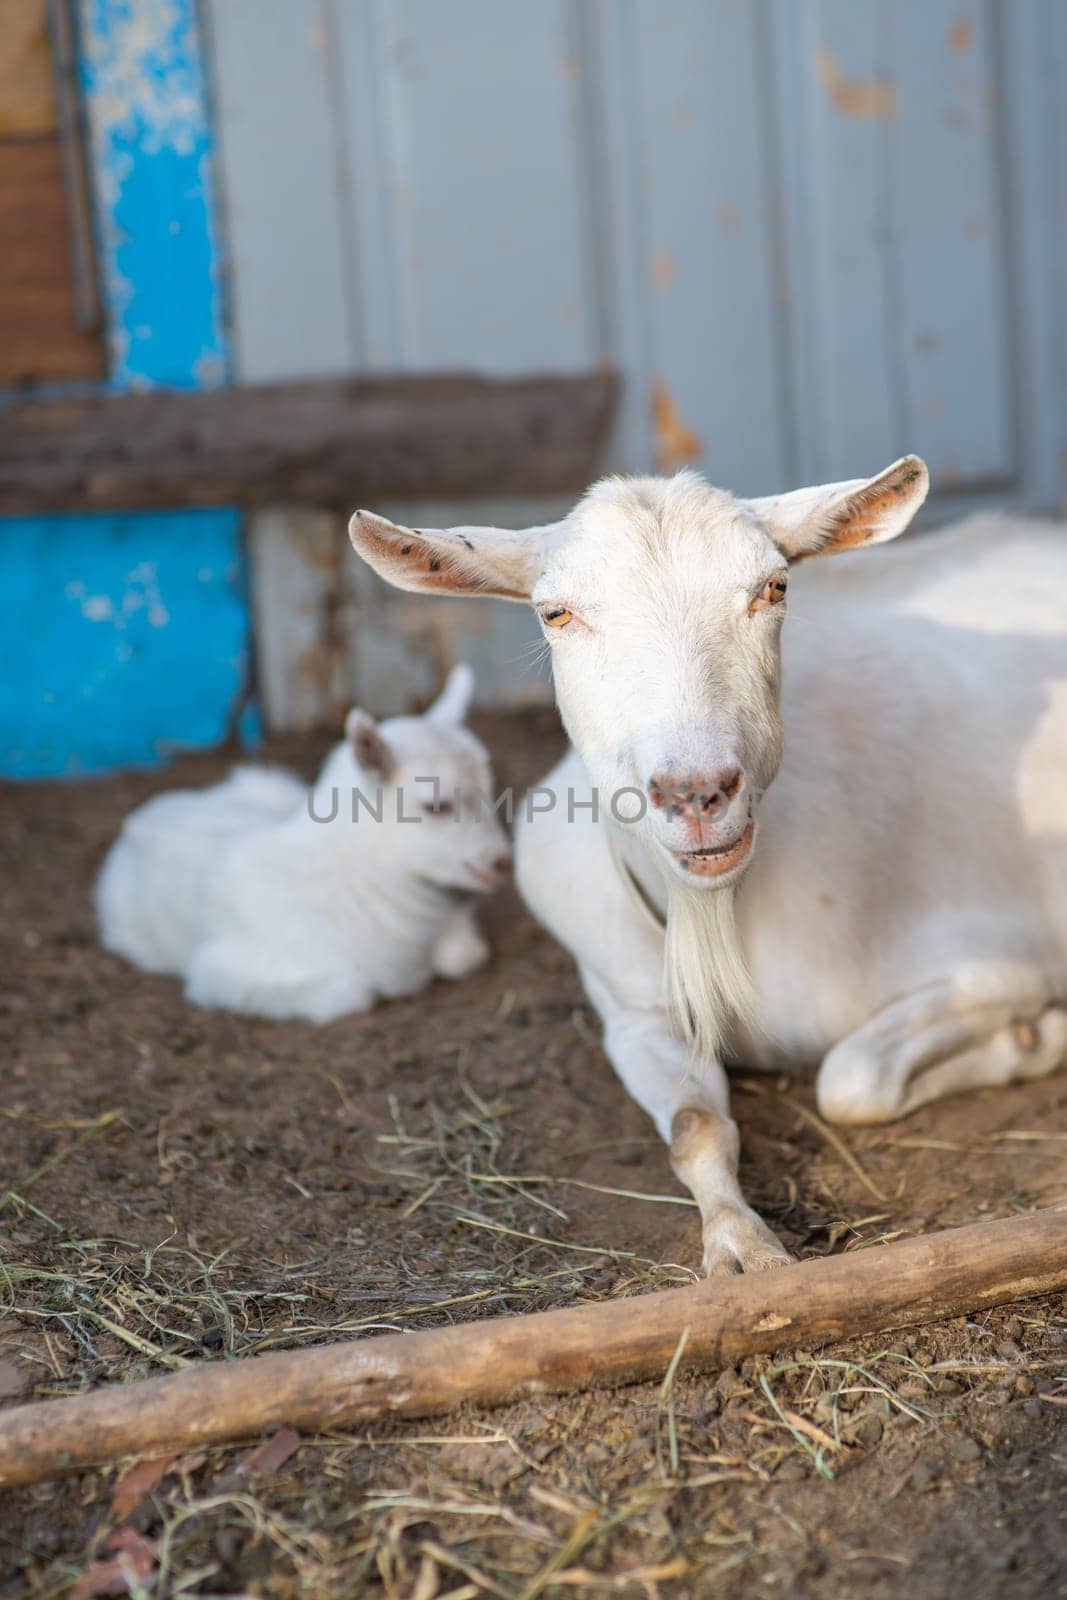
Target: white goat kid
(895, 904)
(278, 903)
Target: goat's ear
(369, 748)
(458, 561)
(452, 704)
(840, 516)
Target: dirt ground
(180, 1185)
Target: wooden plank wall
(40, 340)
(125, 636)
(811, 236)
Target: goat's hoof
(740, 1241)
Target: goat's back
(155, 890)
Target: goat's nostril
(502, 864)
(706, 799)
(731, 782)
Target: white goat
(895, 904)
(278, 903)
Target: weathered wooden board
(39, 337)
(27, 104)
(126, 636)
(330, 442)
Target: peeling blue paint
(152, 156)
(126, 637)
(123, 651)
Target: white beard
(707, 981)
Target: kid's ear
(457, 561)
(369, 748)
(841, 516)
(454, 701)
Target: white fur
(263, 909)
(903, 914)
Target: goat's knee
(460, 948)
(851, 1087)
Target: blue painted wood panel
(126, 640)
(127, 636)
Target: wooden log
(600, 1345)
(333, 442)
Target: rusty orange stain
(856, 97)
(961, 34)
(663, 269)
(675, 443)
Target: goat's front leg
(460, 947)
(689, 1103)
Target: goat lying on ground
(895, 904)
(275, 903)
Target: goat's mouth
(718, 861)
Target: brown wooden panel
(333, 442)
(39, 337)
(26, 100)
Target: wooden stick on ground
(600, 1345)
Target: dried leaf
(139, 1481)
(270, 1455)
(133, 1562)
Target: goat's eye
(556, 616)
(772, 593)
(439, 808)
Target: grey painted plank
(272, 66)
(893, 146)
(467, 177)
(707, 256)
(834, 62)
(1032, 43)
(949, 239)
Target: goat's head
(430, 771)
(662, 600)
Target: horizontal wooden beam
(596, 1345)
(330, 442)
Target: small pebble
(1013, 1328)
(948, 1386)
(1023, 1384)
(961, 1447)
(923, 1474)
(1008, 1350)
(869, 1431)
